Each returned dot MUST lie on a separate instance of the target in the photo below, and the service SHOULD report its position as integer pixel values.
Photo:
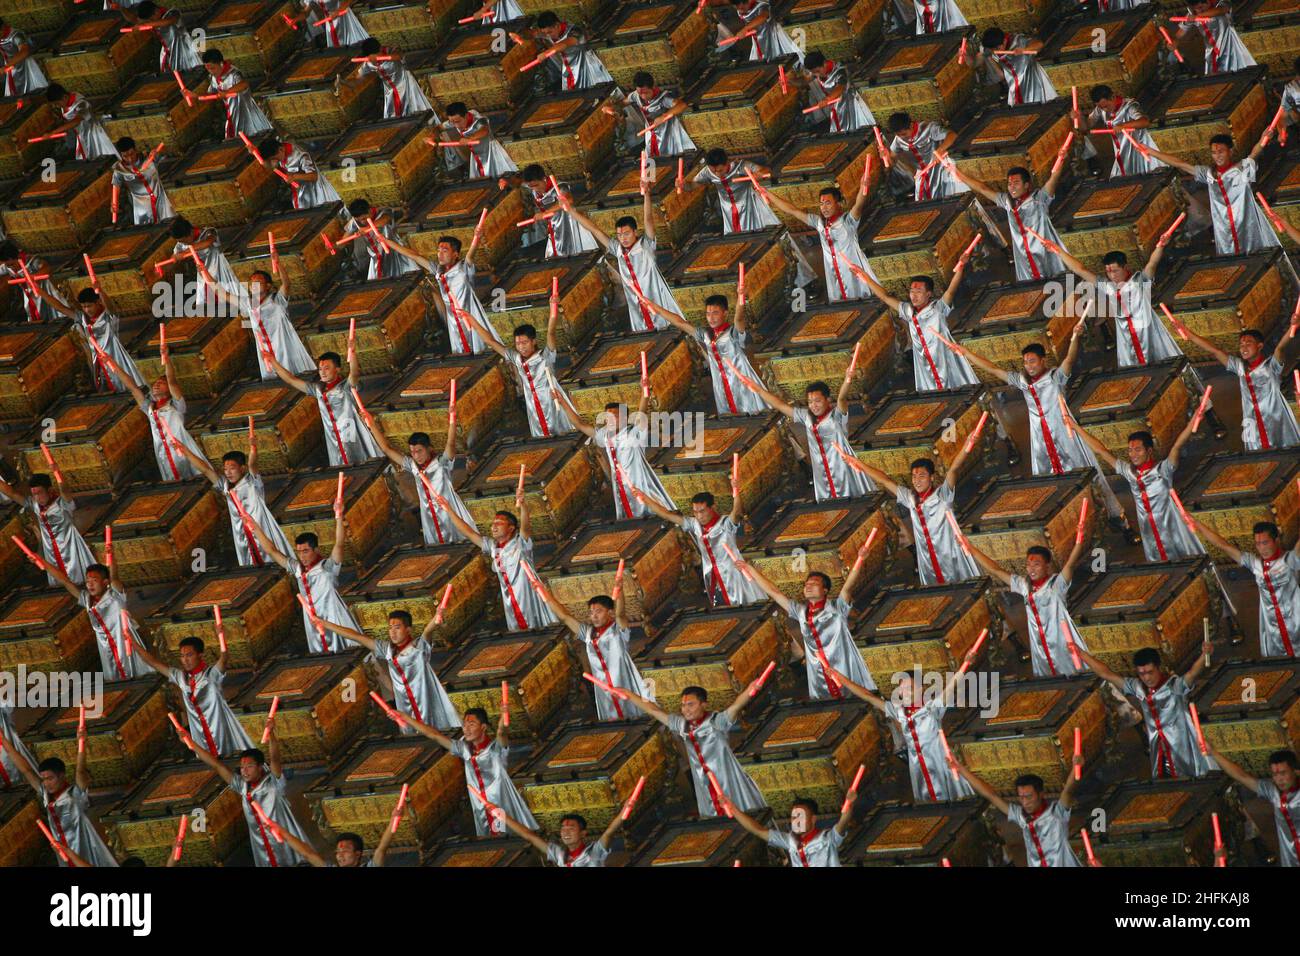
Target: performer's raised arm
(858, 691)
(764, 583)
(979, 786)
(775, 401)
(977, 360)
(672, 517)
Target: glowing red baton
(618, 692)
(1074, 98)
(1182, 511)
(785, 86)
(1078, 752)
(276, 832)
(401, 805)
(391, 714)
(49, 458)
(555, 297)
(618, 580)
(1173, 46)
(1087, 843)
(884, 153)
(975, 435)
(81, 730)
(740, 282)
(505, 703)
(189, 97)
(1083, 522)
(63, 854)
(631, 801)
(1178, 326)
(1218, 833)
(1061, 156)
(974, 650)
(947, 862)
(248, 145)
(127, 647)
(961, 54)
(1200, 409)
(180, 837)
(1169, 233)
(645, 376)
(979, 237)
(681, 175)
(1200, 735)
(947, 753)
(221, 631)
(270, 718)
(956, 529)
(822, 106)
(762, 678)
(1277, 221)
(117, 195)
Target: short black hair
(358, 844)
(819, 387)
(604, 600)
(1268, 528)
(360, 207)
(1146, 438)
(100, 569)
(1283, 756)
(1034, 348)
(625, 221)
(270, 145)
(1101, 92)
(182, 228)
(1030, 780)
(1022, 172)
(457, 108)
(510, 519)
(926, 281)
(8, 249)
(898, 122)
(703, 498)
(308, 537)
(808, 803)
(694, 690)
(993, 37)
(1223, 139)
(252, 753)
(451, 241)
(1145, 656)
(55, 91)
(238, 457)
(399, 615)
(717, 156)
(926, 463)
(267, 278)
(1039, 550)
(815, 60)
(126, 142)
(330, 357)
(88, 295)
(194, 642)
(717, 300)
(370, 46)
(825, 578)
(577, 818)
(1114, 258)
(52, 765)
(643, 78)
(546, 20)
(40, 481)
(213, 56)
(533, 172)
(833, 192)
(1255, 334)
(527, 330)
(420, 438)
(477, 712)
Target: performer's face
(1034, 364)
(1138, 453)
(1151, 675)
(536, 185)
(1017, 185)
(720, 170)
(1248, 347)
(96, 584)
(525, 345)
(1284, 776)
(159, 390)
(447, 255)
(53, 782)
(398, 632)
(190, 658)
(1116, 271)
(919, 294)
(250, 771)
(345, 854)
(1266, 545)
(131, 156)
(1221, 154)
(1037, 566)
(799, 820)
(1107, 103)
(814, 588)
(475, 729)
(213, 68)
(600, 615)
(818, 403)
(715, 315)
(328, 370)
(922, 480)
(460, 122)
(42, 496)
(501, 529)
(626, 236)
(692, 707)
(233, 471)
(647, 93)
(306, 554)
(1030, 799)
(703, 513)
(828, 206)
(572, 835)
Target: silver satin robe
(1140, 337)
(456, 284)
(937, 16)
(730, 395)
(850, 113)
(1032, 260)
(69, 821)
(1278, 580)
(1165, 537)
(269, 320)
(251, 492)
(307, 195)
(1046, 833)
(435, 526)
(1266, 419)
(369, 254)
(610, 661)
(178, 52)
(917, 147)
(341, 31)
(106, 621)
(1170, 733)
(214, 261)
(628, 469)
(939, 558)
(1286, 816)
(724, 585)
(1239, 224)
(1053, 451)
(639, 271)
(816, 848)
(523, 608)
(770, 42)
(88, 139)
(272, 796)
(486, 770)
(561, 232)
(170, 417)
(26, 77)
(488, 159)
(743, 209)
(319, 585)
(402, 94)
(930, 357)
(832, 478)
(1027, 82)
(537, 389)
(347, 440)
(839, 241)
(144, 188)
(1224, 51)
(104, 330)
(669, 138)
(590, 854)
(578, 67)
(417, 692)
(1051, 629)
(826, 630)
(708, 750)
(242, 114)
(1128, 160)
(10, 775)
(35, 309)
(62, 545)
(213, 724)
(927, 767)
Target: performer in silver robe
(317, 579)
(486, 772)
(1281, 790)
(715, 539)
(165, 408)
(827, 639)
(555, 225)
(417, 691)
(66, 803)
(769, 41)
(239, 476)
(805, 845)
(1164, 701)
(308, 187)
(267, 309)
(424, 466)
(1045, 826)
(623, 438)
(10, 772)
(481, 152)
(111, 364)
(1112, 114)
(178, 52)
(104, 599)
(918, 720)
(633, 256)
(501, 11)
(934, 367)
(743, 208)
(1224, 51)
(1239, 224)
(210, 718)
(847, 270)
(22, 74)
(62, 545)
(1026, 80)
(1028, 217)
(242, 114)
(1277, 577)
(1053, 636)
(604, 645)
(259, 780)
(913, 146)
(142, 184)
(459, 306)
(1267, 421)
(13, 262)
(940, 558)
(203, 248)
(402, 93)
(715, 771)
(372, 230)
(831, 90)
(86, 134)
(347, 440)
(334, 19)
(509, 548)
(826, 429)
(652, 118)
(573, 848)
(568, 54)
(938, 16)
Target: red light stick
(270, 718)
(762, 678)
(1087, 846)
(726, 806)
(1200, 735)
(117, 195)
(631, 801)
(1078, 752)
(63, 854)
(857, 779)
(1218, 833)
(1169, 233)
(785, 86)
(1178, 326)
(975, 435)
(81, 730)
(127, 647)
(505, 703)
(221, 631)
(49, 458)
(401, 805)
(974, 650)
(180, 837)
(189, 97)
(1083, 522)
(956, 528)
(880, 142)
(1200, 409)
